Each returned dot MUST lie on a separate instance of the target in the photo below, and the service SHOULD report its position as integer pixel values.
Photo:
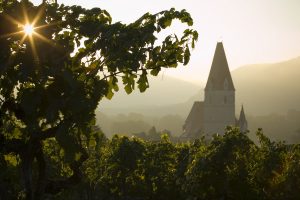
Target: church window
(225, 99)
(226, 84)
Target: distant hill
(166, 95)
(268, 88)
(164, 105)
(264, 89)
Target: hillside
(264, 89)
(268, 88)
(166, 95)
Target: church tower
(242, 122)
(218, 108)
(219, 99)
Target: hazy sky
(256, 31)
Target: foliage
(154, 135)
(52, 81)
(227, 167)
(50, 85)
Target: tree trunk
(41, 182)
(26, 165)
(34, 191)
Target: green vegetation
(53, 75)
(226, 167)
(50, 85)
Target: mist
(269, 92)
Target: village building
(217, 111)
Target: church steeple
(242, 123)
(219, 75)
(218, 108)
(242, 114)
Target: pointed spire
(219, 76)
(242, 115)
(242, 123)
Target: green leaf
(110, 94)
(190, 22)
(128, 88)
(154, 72)
(187, 55)
(143, 82)
(113, 83)
(167, 22)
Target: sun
(28, 29)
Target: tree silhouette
(52, 80)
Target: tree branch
(49, 133)
(41, 182)
(55, 186)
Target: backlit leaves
(52, 83)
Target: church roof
(194, 122)
(195, 111)
(219, 74)
(242, 118)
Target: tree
(53, 77)
(220, 169)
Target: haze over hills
(264, 89)
(268, 88)
(164, 105)
(166, 95)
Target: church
(218, 108)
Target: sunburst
(29, 30)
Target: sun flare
(28, 29)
